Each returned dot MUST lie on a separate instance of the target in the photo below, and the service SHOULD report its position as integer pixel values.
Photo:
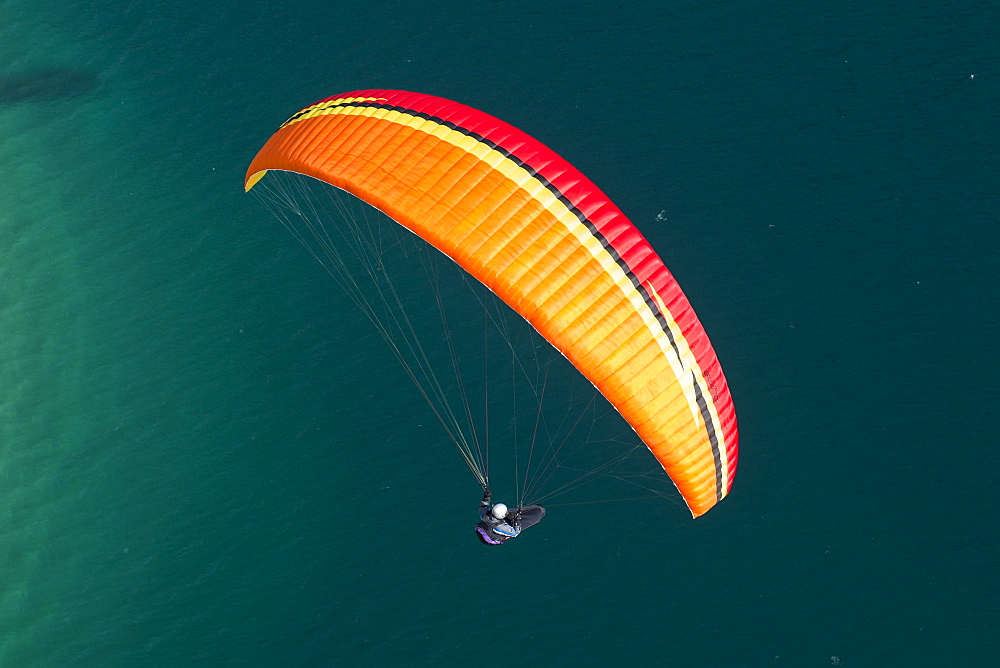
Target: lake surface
(207, 459)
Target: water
(203, 459)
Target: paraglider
(549, 243)
(498, 523)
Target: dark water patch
(46, 84)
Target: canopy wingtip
(253, 179)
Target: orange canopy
(547, 241)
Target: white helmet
(499, 511)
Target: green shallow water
(204, 457)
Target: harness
(484, 536)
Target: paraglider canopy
(549, 243)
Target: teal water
(203, 456)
